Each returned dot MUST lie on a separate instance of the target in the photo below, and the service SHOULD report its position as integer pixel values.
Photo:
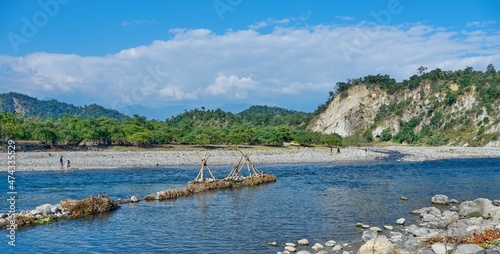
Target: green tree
(333, 139)
(10, 126)
(385, 135)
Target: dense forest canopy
(256, 125)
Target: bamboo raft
(235, 179)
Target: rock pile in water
(66, 209)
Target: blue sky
(214, 53)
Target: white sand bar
(109, 158)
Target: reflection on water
(315, 201)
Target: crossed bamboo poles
(234, 175)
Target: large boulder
(379, 245)
(440, 199)
(467, 249)
(479, 207)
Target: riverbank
(111, 158)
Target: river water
(319, 202)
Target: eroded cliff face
(357, 111)
(461, 119)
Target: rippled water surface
(315, 201)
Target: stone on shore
(379, 245)
(303, 242)
(368, 235)
(479, 207)
(467, 248)
(400, 221)
(440, 199)
(303, 252)
(441, 248)
(337, 248)
(330, 243)
(134, 199)
(290, 248)
(317, 247)
(387, 227)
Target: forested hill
(255, 116)
(434, 108)
(29, 106)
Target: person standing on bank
(68, 164)
(61, 161)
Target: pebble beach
(110, 158)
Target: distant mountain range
(29, 106)
(51, 108)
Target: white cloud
(481, 24)
(288, 66)
(231, 86)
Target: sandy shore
(48, 161)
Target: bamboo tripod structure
(204, 164)
(235, 174)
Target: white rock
(396, 237)
(54, 209)
(400, 221)
(380, 245)
(44, 209)
(359, 224)
(303, 252)
(387, 227)
(290, 249)
(365, 226)
(467, 248)
(303, 242)
(337, 248)
(368, 235)
(134, 199)
(440, 199)
(317, 246)
(376, 229)
(291, 244)
(440, 248)
(272, 244)
(330, 243)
